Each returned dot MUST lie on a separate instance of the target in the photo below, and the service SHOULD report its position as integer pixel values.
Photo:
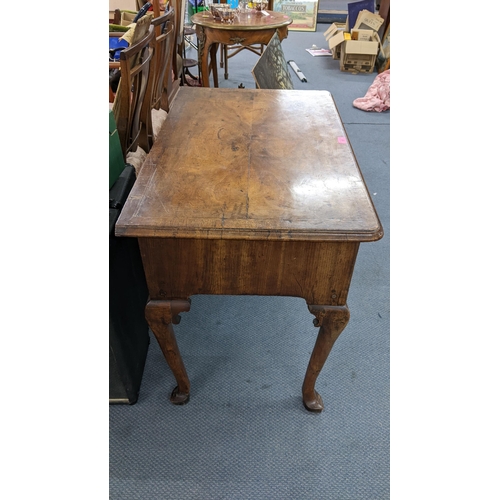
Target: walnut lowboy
(270, 202)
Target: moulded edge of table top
(139, 231)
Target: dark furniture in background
(128, 294)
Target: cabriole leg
(160, 314)
(331, 320)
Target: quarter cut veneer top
(251, 164)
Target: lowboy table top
(251, 164)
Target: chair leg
(193, 77)
(226, 71)
(189, 63)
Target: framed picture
(384, 55)
(271, 70)
(303, 13)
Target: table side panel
(242, 37)
(318, 272)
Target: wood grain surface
(251, 164)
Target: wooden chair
(135, 68)
(164, 52)
(114, 62)
(182, 63)
(188, 62)
(156, 103)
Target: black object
(113, 53)
(327, 17)
(114, 78)
(142, 12)
(128, 294)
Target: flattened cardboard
(330, 31)
(368, 20)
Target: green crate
(116, 161)
(193, 10)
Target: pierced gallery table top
(248, 28)
(252, 192)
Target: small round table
(248, 28)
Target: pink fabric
(378, 97)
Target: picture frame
(271, 70)
(383, 61)
(303, 13)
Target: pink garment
(378, 97)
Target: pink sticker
(342, 140)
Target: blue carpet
(245, 434)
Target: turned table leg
(331, 320)
(213, 64)
(160, 314)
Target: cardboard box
(358, 56)
(334, 36)
(357, 51)
(361, 35)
